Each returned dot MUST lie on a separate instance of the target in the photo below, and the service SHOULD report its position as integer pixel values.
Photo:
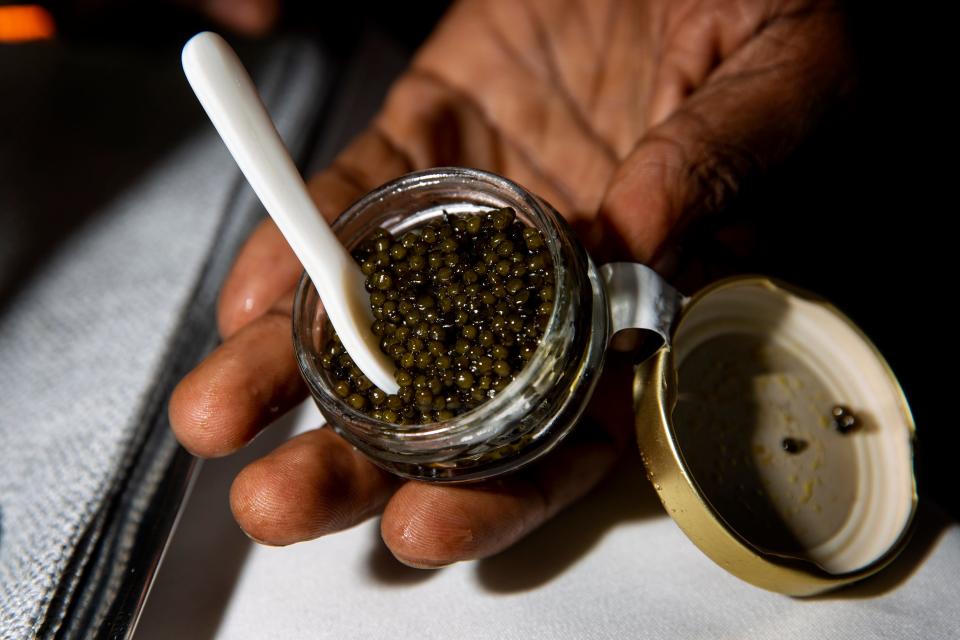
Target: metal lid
(736, 424)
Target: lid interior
(760, 370)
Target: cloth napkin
(120, 211)
(612, 566)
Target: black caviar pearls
(843, 419)
(459, 305)
(793, 445)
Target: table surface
(612, 566)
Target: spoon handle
(229, 97)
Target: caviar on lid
(459, 304)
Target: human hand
(631, 118)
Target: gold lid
(736, 429)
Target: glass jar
(539, 407)
(808, 551)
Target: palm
(626, 116)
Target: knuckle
(234, 310)
(718, 174)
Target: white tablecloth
(612, 566)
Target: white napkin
(612, 566)
(114, 194)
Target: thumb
(749, 114)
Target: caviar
(793, 445)
(843, 419)
(459, 305)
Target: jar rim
(471, 423)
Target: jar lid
(777, 437)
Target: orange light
(25, 22)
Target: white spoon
(227, 94)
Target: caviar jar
(772, 429)
(545, 399)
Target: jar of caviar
(546, 397)
(773, 431)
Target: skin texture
(631, 117)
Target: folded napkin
(120, 212)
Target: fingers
(371, 159)
(241, 387)
(313, 485)
(488, 96)
(238, 389)
(430, 525)
(265, 269)
(753, 110)
(696, 40)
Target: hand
(630, 117)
